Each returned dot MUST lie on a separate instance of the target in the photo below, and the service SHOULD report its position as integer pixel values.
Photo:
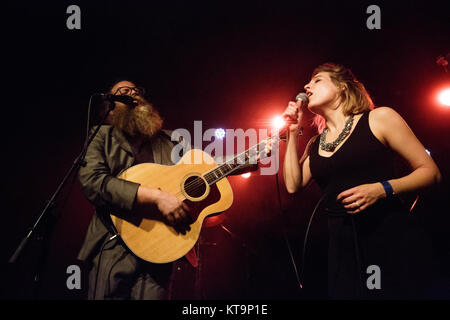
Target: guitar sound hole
(195, 187)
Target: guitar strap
(105, 218)
(191, 256)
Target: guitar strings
(199, 182)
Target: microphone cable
(88, 121)
(294, 265)
(305, 240)
(291, 255)
(298, 276)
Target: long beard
(142, 119)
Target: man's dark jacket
(107, 157)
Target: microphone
(129, 101)
(303, 97)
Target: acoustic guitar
(198, 181)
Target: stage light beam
(246, 175)
(278, 122)
(444, 97)
(219, 133)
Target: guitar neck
(237, 162)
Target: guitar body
(150, 238)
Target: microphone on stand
(129, 101)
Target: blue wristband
(387, 188)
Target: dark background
(231, 65)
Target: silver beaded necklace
(332, 145)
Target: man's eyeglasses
(128, 90)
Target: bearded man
(133, 136)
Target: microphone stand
(50, 205)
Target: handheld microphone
(303, 97)
(129, 101)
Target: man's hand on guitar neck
(173, 210)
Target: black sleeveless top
(385, 234)
(360, 160)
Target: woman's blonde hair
(355, 98)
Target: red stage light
(246, 175)
(444, 97)
(278, 122)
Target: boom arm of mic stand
(79, 161)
